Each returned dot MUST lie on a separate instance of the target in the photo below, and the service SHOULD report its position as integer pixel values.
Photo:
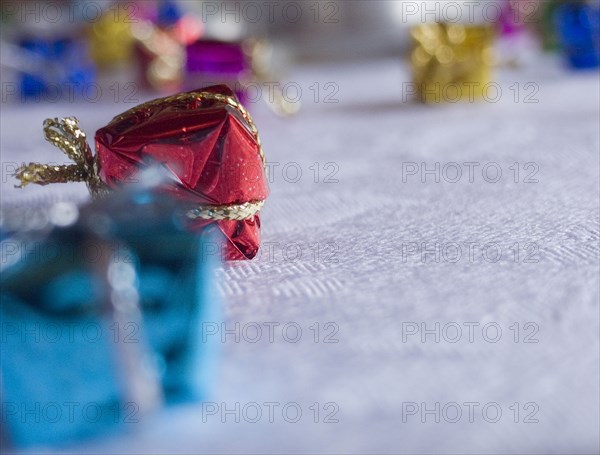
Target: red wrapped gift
(205, 139)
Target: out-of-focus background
(428, 279)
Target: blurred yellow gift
(451, 62)
(110, 38)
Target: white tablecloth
(371, 283)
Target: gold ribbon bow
(67, 136)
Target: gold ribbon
(67, 136)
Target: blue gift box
(176, 285)
(578, 25)
(58, 69)
(102, 320)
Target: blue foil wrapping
(578, 25)
(102, 320)
(58, 69)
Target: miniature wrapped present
(578, 24)
(451, 62)
(207, 141)
(212, 61)
(102, 319)
(54, 69)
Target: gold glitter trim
(67, 136)
(227, 212)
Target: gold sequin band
(67, 136)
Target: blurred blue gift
(66, 371)
(176, 285)
(56, 69)
(168, 13)
(578, 25)
(102, 318)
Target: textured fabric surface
(370, 281)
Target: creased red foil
(208, 148)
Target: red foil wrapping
(207, 146)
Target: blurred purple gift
(211, 62)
